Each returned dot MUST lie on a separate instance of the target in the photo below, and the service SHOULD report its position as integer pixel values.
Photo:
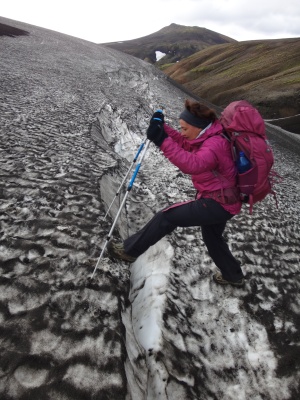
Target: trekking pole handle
(139, 151)
(133, 176)
(158, 111)
(137, 168)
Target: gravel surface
(72, 117)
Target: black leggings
(208, 214)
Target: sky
(118, 20)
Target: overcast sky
(115, 20)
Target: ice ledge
(149, 277)
(143, 321)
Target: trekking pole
(125, 177)
(130, 167)
(147, 142)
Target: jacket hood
(215, 129)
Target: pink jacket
(209, 161)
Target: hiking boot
(116, 250)
(218, 278)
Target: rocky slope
(72, 115)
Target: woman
(201, 151)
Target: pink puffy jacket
(209, 161)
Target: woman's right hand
(155, 131)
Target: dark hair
(200, 110)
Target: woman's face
(188, 131)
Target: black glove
(156, 132)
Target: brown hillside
(265, 72)
(175, 41)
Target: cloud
(118, 20)
(244, 19)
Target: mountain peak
(175, 41)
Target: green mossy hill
(265, 72)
